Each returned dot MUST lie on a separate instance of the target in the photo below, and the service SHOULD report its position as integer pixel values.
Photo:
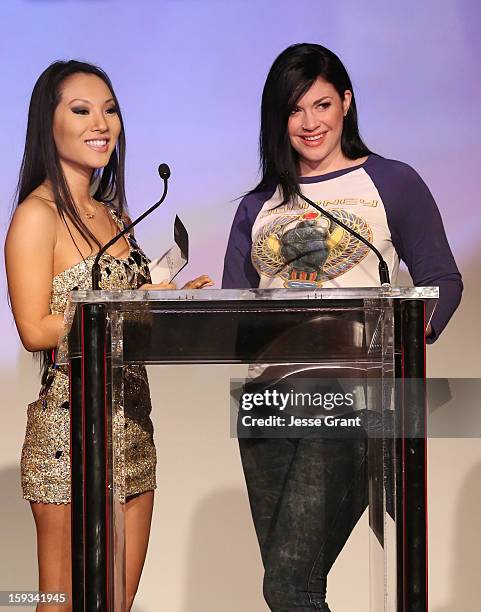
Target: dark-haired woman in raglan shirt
(310, 141)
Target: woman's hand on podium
(198, 283)
(165, 285)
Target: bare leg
(53, 546)
(138, 516)
(53, 550)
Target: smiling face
(86, 125)
(315, 128)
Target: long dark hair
(40, 158)
(291, 75)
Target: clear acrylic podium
(374, 334)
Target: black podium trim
(414, 455)
(96, 534)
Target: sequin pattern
(45, 463)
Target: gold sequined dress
(45, 463)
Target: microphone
(164, 172)
(383, 268)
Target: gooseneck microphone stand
(164, 172)
(383, 268)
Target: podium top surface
(244, 326)
(202, 295)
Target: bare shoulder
(35, 209)
(34, 219)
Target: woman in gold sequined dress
(71, 201)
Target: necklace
(90, 215)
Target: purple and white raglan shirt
(386, 201)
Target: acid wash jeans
(306, 496)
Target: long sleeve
(239, 273)
(418, 235)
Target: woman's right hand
(164, 285)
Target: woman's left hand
(199, 283)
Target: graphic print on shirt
(306, 248)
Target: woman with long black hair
(306, 495)
(71, 201)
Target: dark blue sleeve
(239, 273)
(418, 234)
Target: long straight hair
(291, 75)
(41, 161)
(40, 158)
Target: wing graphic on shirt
(308, 247)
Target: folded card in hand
(168, 265)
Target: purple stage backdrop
(189, 76)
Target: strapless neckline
(92, 256)
(120, 225)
